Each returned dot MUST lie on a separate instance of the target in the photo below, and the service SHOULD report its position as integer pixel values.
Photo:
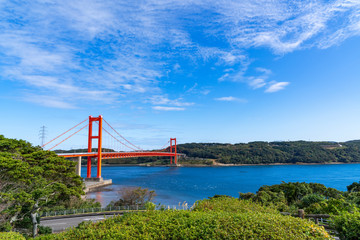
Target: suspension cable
(119, 140)
(122, 136)
(63, 133)
(116, 138)
(164, 147)
(69, 136)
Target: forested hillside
(275, 152)
(253, 153)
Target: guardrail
(110, 209)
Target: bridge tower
(99, 138)
(172, 149)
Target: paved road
(59, 225)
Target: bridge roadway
(61, 224)
(107, 155)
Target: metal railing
(91, 210)
(320, 219)
(110, 209)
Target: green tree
(32, 179)
(134, 196)
(354, 187)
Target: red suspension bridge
(126, 149)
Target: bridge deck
(107, 155)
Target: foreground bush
(11, 236)
(230, 204)
(347, 225)
(210, 222)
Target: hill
(289, 152)
(275, 152)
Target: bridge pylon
(173, 149)
(99, 147)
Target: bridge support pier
(78, 166)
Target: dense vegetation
(312, 197)
(11, 236)
(218, 218)
(33, 180)
(315, 198)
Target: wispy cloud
(163, 100)
(48, 101)
(162, 108)
(257, 83)
(231, 99)
(276, 86)
(287, 26)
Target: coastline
(221, 164)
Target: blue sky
(201, 71)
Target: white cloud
(257, 83)
(276, 86)
(286, 26)
(192, 89)
(205, 92)
(224, 77)
(163, 100)
(176, 66)
(259, 79)
(49, 101)
(266, 72)
(230, 99)
(162, 108)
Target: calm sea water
(179, 184)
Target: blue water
(178, 184)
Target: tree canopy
(32, 179)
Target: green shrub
(11, 236)
(5, 227)
(231, 205)
(347, 225)
(150, 206)
(310, 199)
(246, 196)
(210, 220)
(44, 230)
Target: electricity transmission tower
(42, 134)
